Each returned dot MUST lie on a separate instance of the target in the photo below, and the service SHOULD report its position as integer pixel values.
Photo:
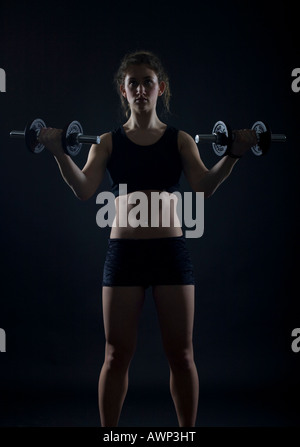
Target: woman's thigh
(175, 309)
(121, 310)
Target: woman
(147, 155)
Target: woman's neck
(143, 121)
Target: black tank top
(156, 167)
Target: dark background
(227, 61)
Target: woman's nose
(140, 88)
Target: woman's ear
(162, 88)
(122, 90)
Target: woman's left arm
(198, 175)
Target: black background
(227, 61)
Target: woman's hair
(139, 58)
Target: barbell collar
(17, 134)
(92, 139)
(206, 137)
(278, 137)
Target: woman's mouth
(141, 99)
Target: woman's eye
(134, 83)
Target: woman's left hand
(243, 141)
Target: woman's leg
(175, 307)
(121, 310)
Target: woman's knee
(118, 357)
(180, 359)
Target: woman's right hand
(51, 139)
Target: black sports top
(157, 166)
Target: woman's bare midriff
(152, 216)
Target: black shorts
(148, 262)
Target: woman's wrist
(61, 155)
(231, 155)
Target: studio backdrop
(229, 61)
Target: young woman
(147, 155)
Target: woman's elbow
(206, 191)
(83, 196)
(85, 192)
(208, 194)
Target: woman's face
(141, 88)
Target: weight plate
(31, 131)
(263, 133)
(69, 138)
(224, 135)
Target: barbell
(72, 137)
(222, 138)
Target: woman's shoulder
(105, 143)
(184, 136)
(185, 140)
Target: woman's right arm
(85, 182)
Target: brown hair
(139, 58)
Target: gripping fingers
(244, 139)
(246, 136)
(46, 135)
(51, 139)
